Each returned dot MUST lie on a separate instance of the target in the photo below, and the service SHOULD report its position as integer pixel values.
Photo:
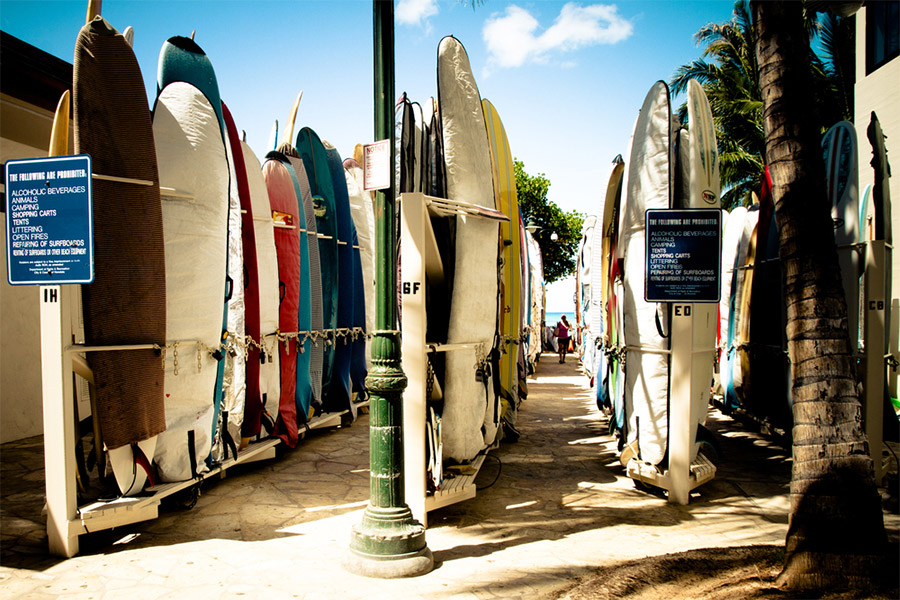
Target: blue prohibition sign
(683, 255)
(49, 221)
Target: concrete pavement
(560, 507)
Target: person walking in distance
(562, 337)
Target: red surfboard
(285, 213)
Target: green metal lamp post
(388, 542)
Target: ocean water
(553, 318)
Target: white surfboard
(191, 156)
(704, 190)
(473, 312)
(362, 210)
(646, 324)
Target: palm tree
(836, 535)
(728, 71)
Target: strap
(227, 438)
(192, 453)
(141, 459)
(659, 328)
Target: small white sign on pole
(377, 166)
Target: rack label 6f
(411, 287)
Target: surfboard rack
(683, 474)
(420, 259)
(875, 298)
(700, 471)
(60, 359)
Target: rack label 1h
(49, 227)
(683, 255)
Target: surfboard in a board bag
(363, 211)
(506, 199)
(126, 302)
(341, 387)
(312, 152)
(882, 230)
(315, 346)
(285, 214)
(190, 148)
(264, 410)
(226, 431)
(839, 147)
(766, 367)
(306, 394)
(704, 191)
(583, 291)
(646, 324)
(536, 299)
(471, 414)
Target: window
(882, 33)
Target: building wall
(20, 349)
(880, 92)
(32, 82)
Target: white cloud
(513, 37)
(415, 12)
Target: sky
(567, 78)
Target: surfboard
(506, 199)
(470, 414)
(245, 276)
(359, 369)
(307, 394)
(315, 347)
(341, 386)
(765, 365)
(535, 300)
(742, 276)
(584, 291)
(265, 405)
(112, 125)
(250, 276)
(649, 185)
(602, 325)
(362, 209)
(882, 230)
(839, 146)
(312, 152)
(437, 177)
(617, 316)
(190, 149)
(524, 309)
(234, 381)
(287, 234)
(704, 192)
(420, 136)
(731, 237)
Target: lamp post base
(388, 544)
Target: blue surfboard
(340, 388)
(312, 152)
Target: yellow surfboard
(507, 202)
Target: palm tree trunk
(836, 535)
